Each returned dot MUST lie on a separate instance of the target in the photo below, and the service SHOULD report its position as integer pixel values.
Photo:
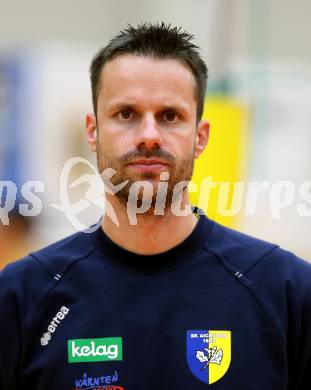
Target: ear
(91, 131)
(202, 137)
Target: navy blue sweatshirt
(221, 310)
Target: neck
(151, 234)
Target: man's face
(146, 110)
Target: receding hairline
(152, 57)
(156, 40)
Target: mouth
(148, 165)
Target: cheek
(116, 135)
(118, 128)
(182, 149)
(111, 147)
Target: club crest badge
(209, 353)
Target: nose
(149, 134)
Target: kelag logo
(95, 350)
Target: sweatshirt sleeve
(283, 282)
(10, 335)
(23, 284)
(301, 378)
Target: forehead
(151, 79)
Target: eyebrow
(133, 106)
(121, 105)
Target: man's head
(156, 41)
(147, 101)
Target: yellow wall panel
(223, 160)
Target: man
(174, 301)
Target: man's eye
(170, 116)
(125, 114)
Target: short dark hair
(158, 41)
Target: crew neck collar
(132, 261)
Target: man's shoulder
(49, 261)
(25, 283)
(239, 250)
(245, 253)
(278, 279)
(63, 252)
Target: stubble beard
(180, 171)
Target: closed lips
(147, 162)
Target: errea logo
(53, 325)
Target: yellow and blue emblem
(209, 353)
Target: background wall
(259, 58)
